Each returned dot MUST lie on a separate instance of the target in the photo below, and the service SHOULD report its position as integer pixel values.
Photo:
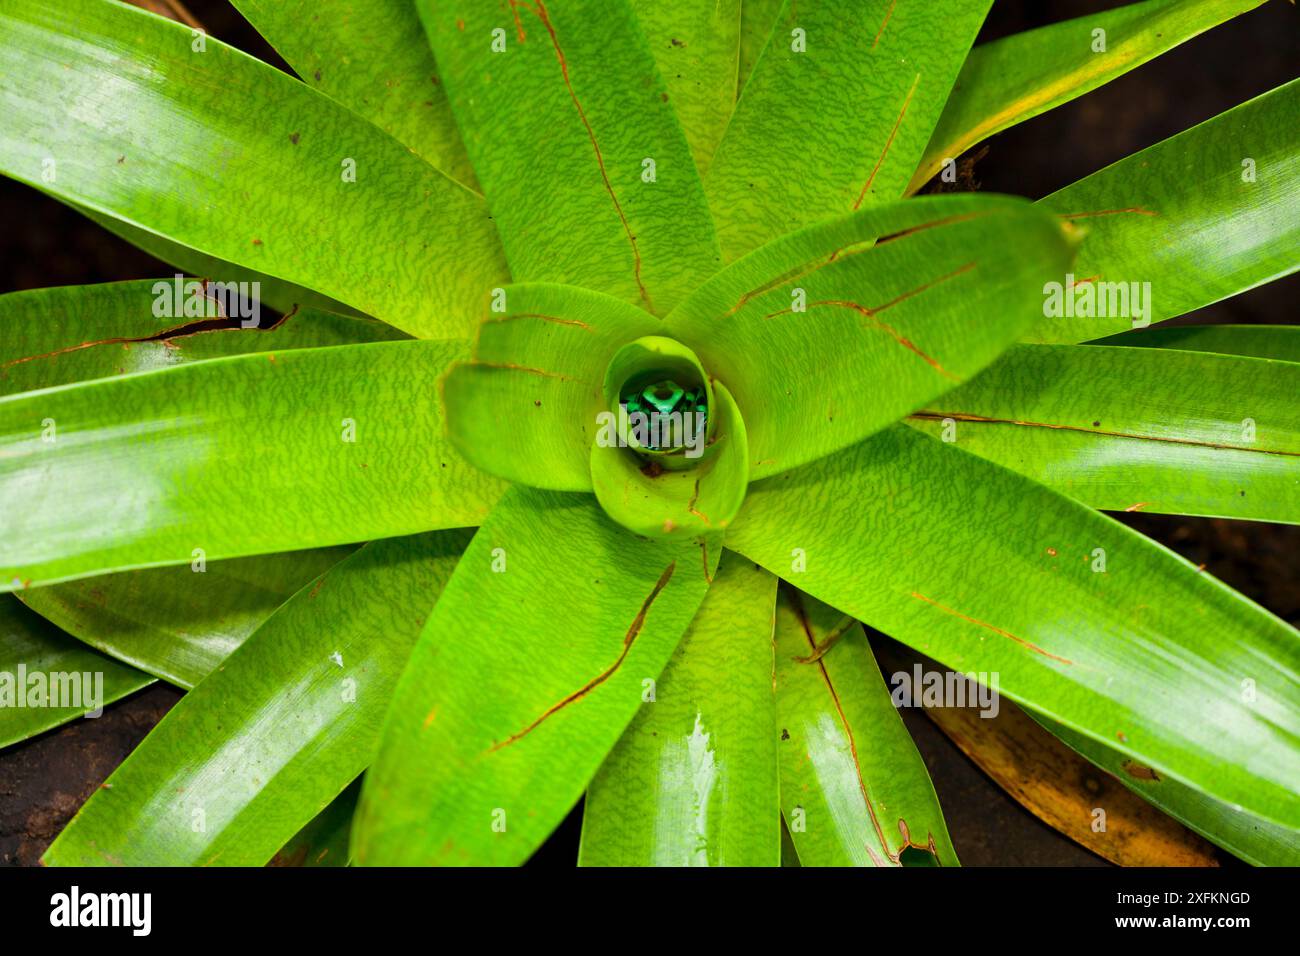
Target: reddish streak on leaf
(519, 23)
(1137, 507)
(539, 10)
(907, 838)
(871, 315)
(1136, 210)
(946, 220)
(690, 505)
(704, 551)
(889, 142)
(816, 264)
(637, 623)
(922, 288)
(829, 641)
(996, 630)
(165, 336)
(983, 420)
(881, 32)
(545, 318)
(525, 368)
(797, 604)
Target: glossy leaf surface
(1016, 78)
(805, 330)
(580, 154)
(503, 715)
(252, 754)
(693, 780)
(1204, 215)
(854, 790)
(174, 466)
(835, 113)
(372, 57)
(154, 134)
(41, 666)
(1087, 622)
(1127, 429)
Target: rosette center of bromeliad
(670, 454)
(664, 415)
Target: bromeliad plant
(589, 209)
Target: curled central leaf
(658, 395)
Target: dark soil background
(43, 781)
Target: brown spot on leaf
(1139, 772)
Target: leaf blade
(696, 46)
(854, 789)
(1145, 690)
(126, 144)
(1256, 841)
(1192, 243)
(565, 173)
(521, 727)
(777, 170)
(28, 646)
(372, 58)
(796, 327)
(282, 726)
(692, 781)
(175, 624)
(175, 449)
(1124, 429)
(71, 334)
(1056, 64)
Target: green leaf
(1122, 429)
(174, 623)
(540, 366)
(842, 122)
(252, 754)
(805, 330)
(372, 57)
(276, 293)
(171, 623)
(1086, 622)
(561, 125)
(504, 714)
(854, 789)
(1281, 342)
(77, 333)
(757, 18)
(1202, 216)
(176, 466)
(217, 151)
(1023, 75)
(38, 662)
(696, 45)
(693, 779)
(1254, 840)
